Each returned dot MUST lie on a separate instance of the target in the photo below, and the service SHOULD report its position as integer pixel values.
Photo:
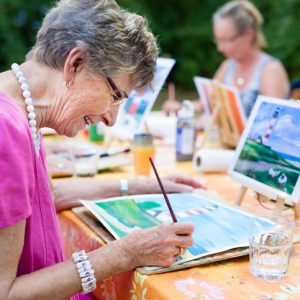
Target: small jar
(143, 149)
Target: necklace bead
(240, 81)
(29, 106)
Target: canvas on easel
(226, 111)
(133, 113)
(204, 89)
(267, 158)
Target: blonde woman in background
(237, 28)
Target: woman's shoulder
(221, 71)
(272, 64)
(274, 81)
(13, 123)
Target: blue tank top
(252, 90)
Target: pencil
(163, 191)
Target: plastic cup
(270, 248)
(143, 148)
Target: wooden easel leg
(240, 195)
(278, 209)
(296, 208)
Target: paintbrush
(163, 191)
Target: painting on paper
(269, 151)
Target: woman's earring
(68, 84)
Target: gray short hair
(244, 15)
(118, 42)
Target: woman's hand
(157, 246)
(172, 184)
(181, 183)
(171, 106)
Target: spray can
(185, 132)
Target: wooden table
(229, 279)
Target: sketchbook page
(267, 158)
(133, 112)
(218, 227)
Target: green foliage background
(183, 29)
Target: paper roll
(212, 160)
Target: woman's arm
(67, 192)
(275, 82)
(154, 246)
(57, 282)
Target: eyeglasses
(226, 40)
(118, 96)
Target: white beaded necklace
(29, 106)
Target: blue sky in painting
(285, 137)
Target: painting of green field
(265, 165)
(123, 216)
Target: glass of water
(270, 246)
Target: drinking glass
(143, 148)
(270, 246)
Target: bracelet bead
(81, 258)
(83, 264)
(85, 271)
(85, 268)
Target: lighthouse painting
(269, 150)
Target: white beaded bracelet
(85, 271)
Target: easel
(223, 116)
(280, 202)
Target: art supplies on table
(221, 230)
(61, 157)
(185, 132)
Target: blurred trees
(19, 22)
(183, 29)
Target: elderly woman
(88, 56)
(238, 35)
